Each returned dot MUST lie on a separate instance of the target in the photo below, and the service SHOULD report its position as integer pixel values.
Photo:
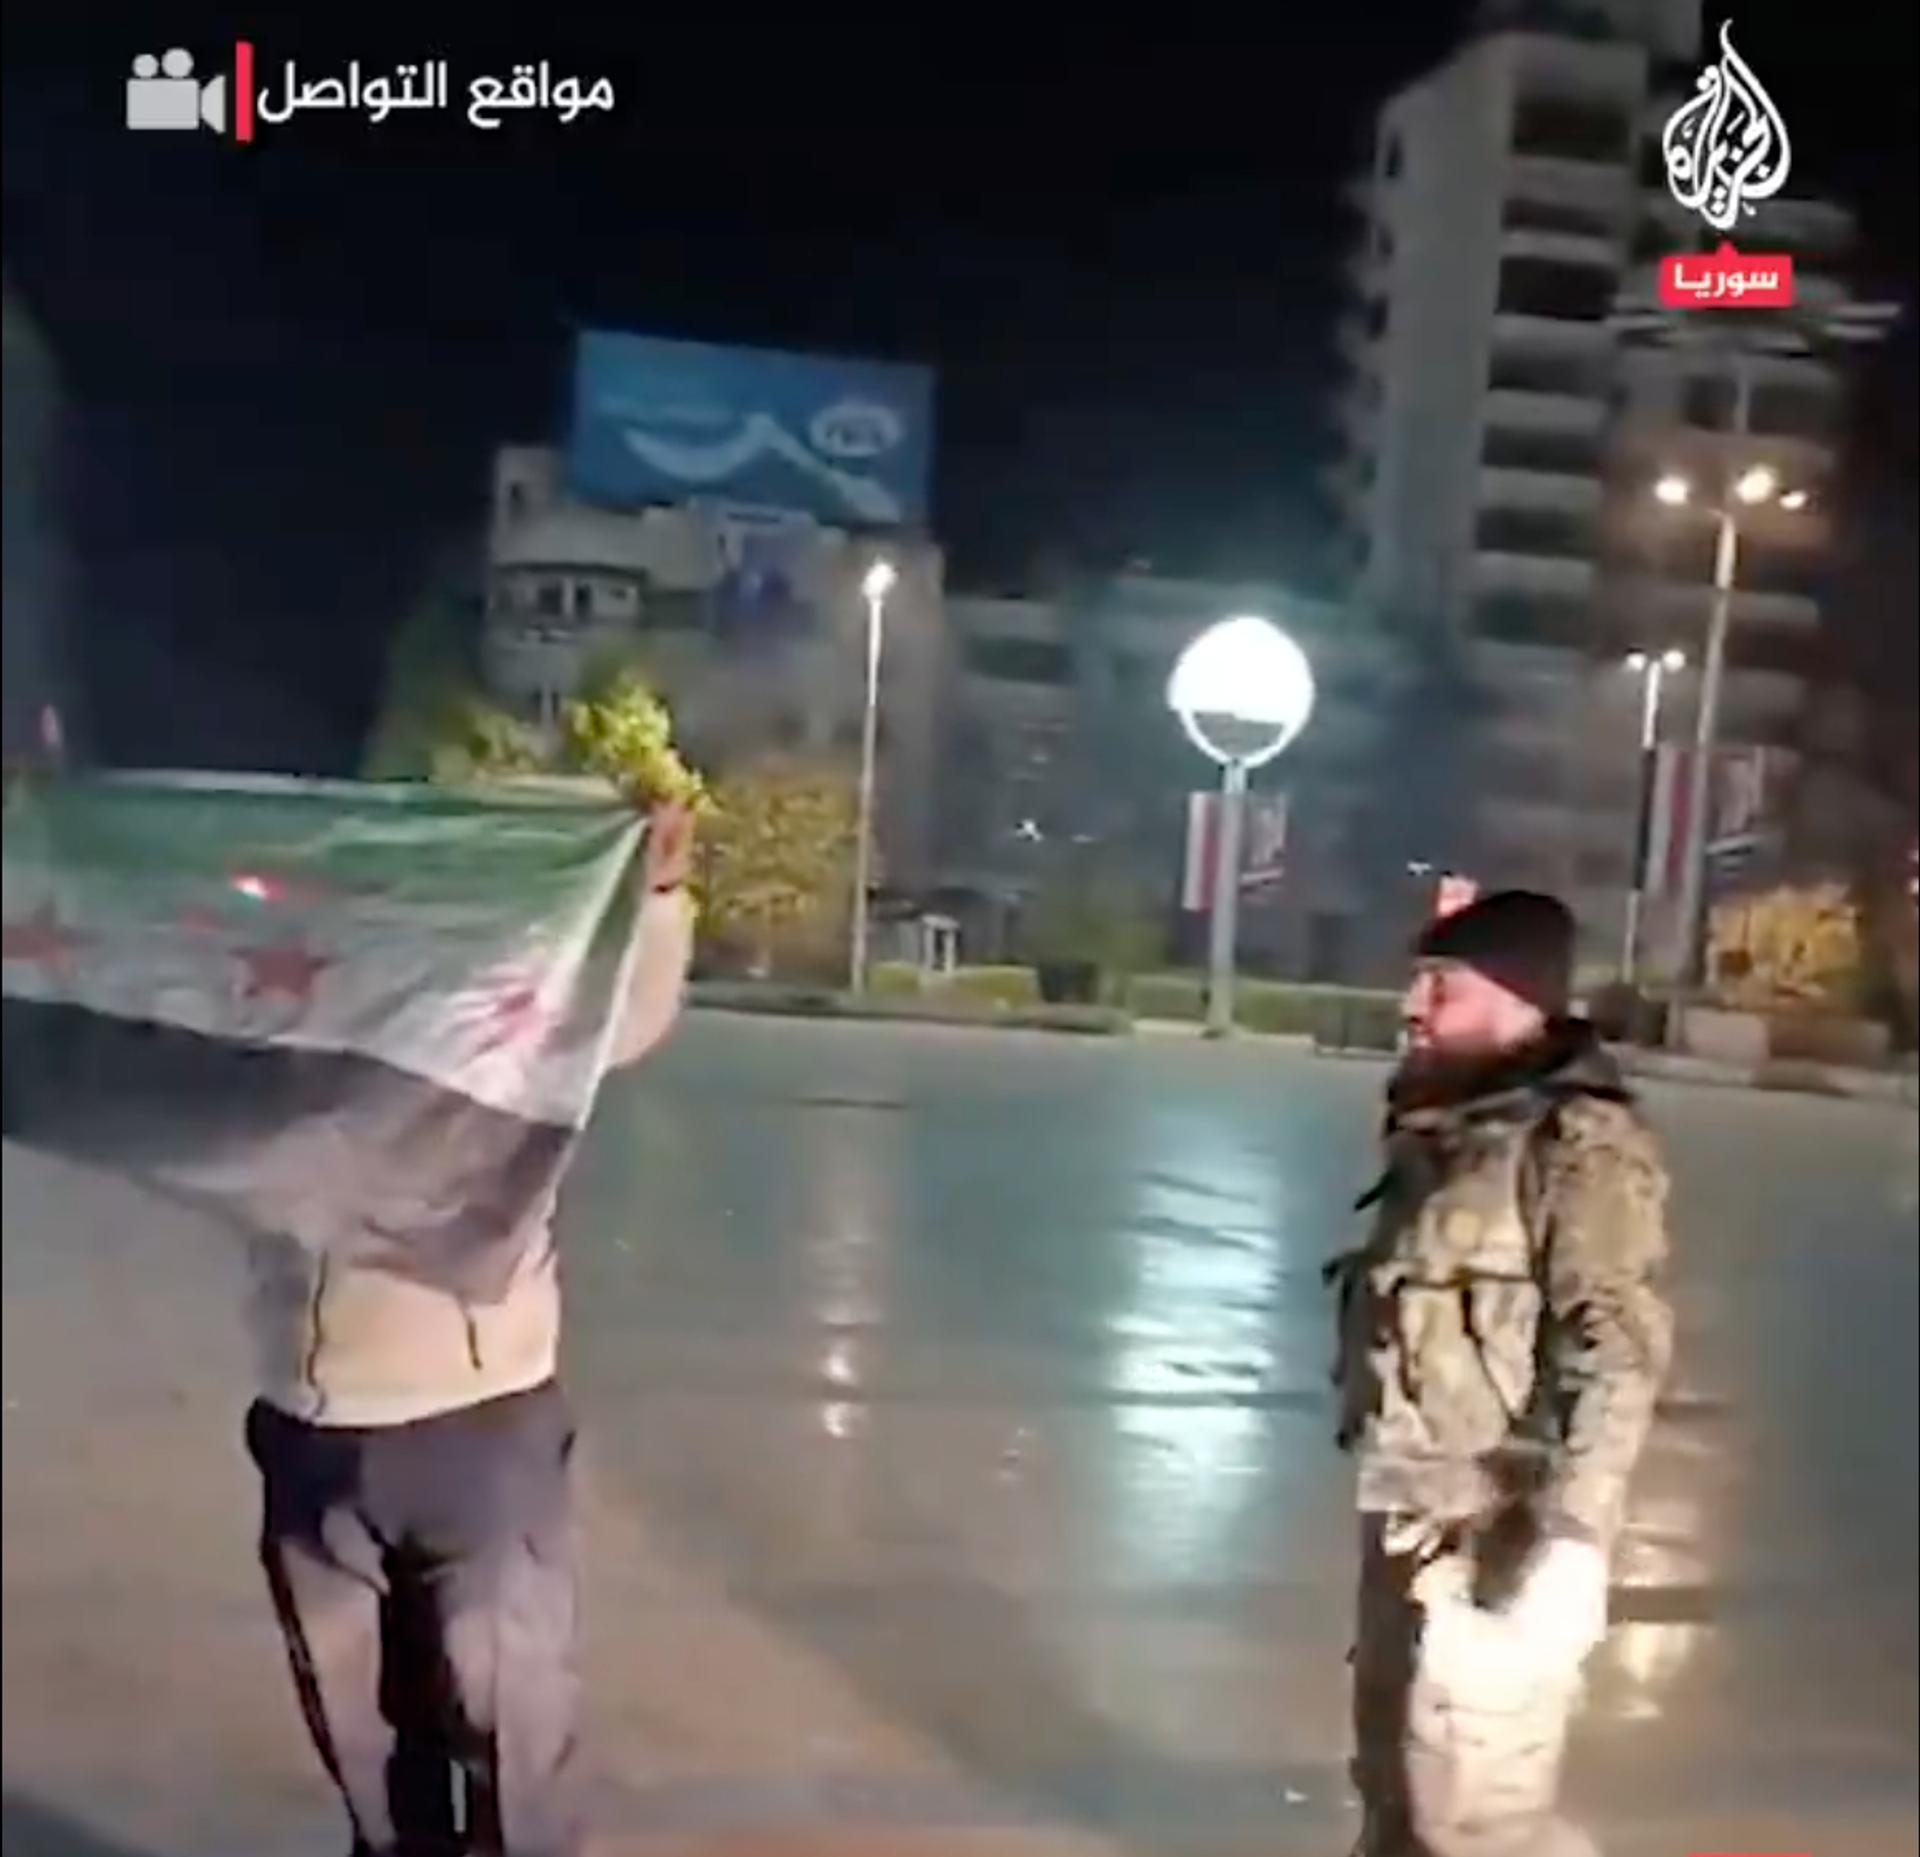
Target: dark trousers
(423, 1576)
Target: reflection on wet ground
(959, 1474)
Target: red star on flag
(517, 1015)
(41, 940)
(505, 1008)
(286, 968)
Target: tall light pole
(1753, 487)
(1803, 330)
(879, 581)
(1242, 690)
(1652, 668)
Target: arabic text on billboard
(663, 422)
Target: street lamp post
(1242, 690)
(1652, 668)
(1753, 487)
(879, 581)
(1803, 330)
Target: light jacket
(346, 1344)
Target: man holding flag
(366, 1025)
(417, 1528)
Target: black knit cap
(1519, 939)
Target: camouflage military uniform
(1503, 1337)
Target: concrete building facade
(569, 583)
(1062, 756)
(1022, 739)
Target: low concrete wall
(1821, 1039)
(1722, 1037)
(1728, 1037)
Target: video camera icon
(163, 94)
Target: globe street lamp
(1242, 690)
(1652, 668)
(1753, 487)
(879, 581)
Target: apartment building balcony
(1528, 409)
(1546, 550)
(1356, 339)
(1511, 571)
(1584, 248)
(1762, 706)
(1355, 410)
(1581, 210)
(1541, 332)
(1364, 269)
(1360, 193)
(1517, 489)
(1348, 484)
(1650, 444)
(1819, 291)
(1584, 143)
(1818, 230)
(1685, 607)
(1012, 674)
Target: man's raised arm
(657, 983)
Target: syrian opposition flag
(369, 1017)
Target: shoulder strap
(1545, 1128)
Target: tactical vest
(1441, 1313)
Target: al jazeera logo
(1726, 150)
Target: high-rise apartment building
(1504, 421)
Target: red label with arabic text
(1727, 279)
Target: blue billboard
(663, 422)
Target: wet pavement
(957, 1475)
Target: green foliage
(1345, 1018)
(621, 731)
(477, 741)
(432, 683)
(993, 986)
(1176, 997)
(1083, 914)
(1005, 987)
(436, 723)
(1799, 946)
(1341, 1018)
(894, 980)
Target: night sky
(288, 364)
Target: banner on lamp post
(1263, 858)
(1747, 801)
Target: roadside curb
(1779, 1076)
(1789, 1075)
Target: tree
(779, 856)
(1790, 946)
(432, 685)
(1103, 917)
(619, 729)
(473, 739)
(436, 723)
